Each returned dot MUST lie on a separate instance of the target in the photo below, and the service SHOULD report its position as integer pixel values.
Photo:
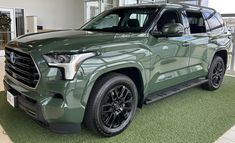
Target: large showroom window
(94, 7)
(12, 24)
(19, 21)
(7, 29)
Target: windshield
(122, 20)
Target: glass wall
(130, 2)
(195, 2)
(12, 28)
(108, 4)
(7, 31)
(149, 1)
(127, 2)
(94, 7)
(19, 22)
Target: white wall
(223, 6)
(52, 14)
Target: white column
(32, 24)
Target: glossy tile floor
(3, 136)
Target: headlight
(68, 62)
(54, 58)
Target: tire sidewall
(210, 76)
(110, 84)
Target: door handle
(186, 44)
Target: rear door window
(196, 22)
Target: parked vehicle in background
(120, 60)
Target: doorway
(7, 34)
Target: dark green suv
(120, 60)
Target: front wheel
(112, 105)
(216, 74)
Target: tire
(215, 75)
(108, 111)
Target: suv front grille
(21, 67)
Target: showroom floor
(228, 137)
(4, 138)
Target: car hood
(70, 40)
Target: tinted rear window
(218, 16)
(215, 21)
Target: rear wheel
(216, 74)
(112, 105)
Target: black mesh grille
(22, 69)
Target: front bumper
(51, 113)
(55, 103)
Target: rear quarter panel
(219, 40)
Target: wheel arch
(136, 73)
(223, 54)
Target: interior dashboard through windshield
(122, 20)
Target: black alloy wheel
(112, 104)
(218, 74)
(215, 74)
(117, 106)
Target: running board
(173, 90)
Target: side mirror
(171, 30)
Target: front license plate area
(11, 99)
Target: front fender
(104, 69)
(127, 55)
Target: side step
(173, 90)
